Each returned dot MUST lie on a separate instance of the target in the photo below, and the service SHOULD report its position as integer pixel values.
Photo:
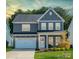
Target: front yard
(54, 55)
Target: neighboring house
(70, 31)
(8, 36)
(37, 30)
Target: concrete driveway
(21, 54)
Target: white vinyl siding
(57, 26)
(43, 26)
(50, 26)
(25, 27)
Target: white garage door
(25, 42)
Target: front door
(42, 41)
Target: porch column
(38, 41)
(47, 41)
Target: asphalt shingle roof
(27, 17)
(34, 17)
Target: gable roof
(27, 18)
(54, 16)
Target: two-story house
(37, 30)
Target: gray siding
(34, 27)
(18, 27)
(50, 17)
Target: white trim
(24, 34)
(47, 41)
(58, 15)
(50, 21)
(57, 26)
(51, 33)
(50, 26)
(42, 15)
(25, 27)
(43, 26)
(39, 41)
(23, 22)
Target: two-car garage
(29, 42)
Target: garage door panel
(25, 43)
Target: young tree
(64, 14)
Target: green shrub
(54, 49)
(62, 49)
(58, 49)
(67, 49)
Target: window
(43, 26)
(50, 26)
(25, 27)
(57, 26)
(50, 13)
(51, 41)
(57, 40)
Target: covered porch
(50, 39)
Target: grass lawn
(9, 49)
(54, 55)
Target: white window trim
(25, 27)
(50, 26)
(57, 25)
(43, 26)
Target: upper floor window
(25, 27)
(50, 26)
(57, 26)
(50, 13)
(43, 26)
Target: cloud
(13, 5)
(12, 9)
(39, 3)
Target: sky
(13, 5)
